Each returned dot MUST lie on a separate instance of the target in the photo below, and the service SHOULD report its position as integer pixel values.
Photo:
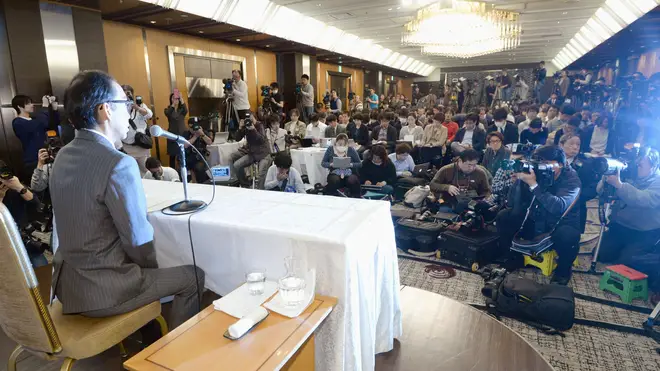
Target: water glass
(256, 281)
(292, 290)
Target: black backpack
(533, 303)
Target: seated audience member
(107, 242)
(634, 227)
(485, 118)
(379, 170)
(535, 133)
(384, 134)
(319, 108)
(459, 177)
(401, 113)
(412, 129)
(359, 132)
(276, 135)
(565, 115)
(342, 178)
(585, 119)
(496, 152)
(571, 127)
(198, 138)
(552, 122)
(316, 128)
(546, 215)
(295, 128)
(332, 127)
(421, 116)
(403, 162)
(254, 151)
(508, 129)
(343, 123)
(434, 138)
(22, 205)
(373, 120)
(594, 117)
(543, 114)
(282, 177)
(156, 171)
(469, 136)
(597, 138)
(570, 144)
(31, 131)
(452, 127)
(532, 113)
(553, 100)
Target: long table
(350, 243)
(308, 162)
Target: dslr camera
(265, 91)
(298, 88)
(53, 146)
(525, 149)
(545, 173)
(249, 122)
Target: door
(340, 83)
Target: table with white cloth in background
(350, 243)
(308, 162)
(220, 154)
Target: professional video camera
(33, 238)
(477, 215)
(228, 84)
(298, 88)
(265, 91)
(525, 149)
(53, 145)
(545, 174)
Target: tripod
(605, 202)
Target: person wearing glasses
(101, 212)
(496, 153)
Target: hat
(537, 123)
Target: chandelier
(462, 29)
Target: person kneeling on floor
(457, 179)
(282, 177)
(342, 177)
(547, 207)
(379, 170)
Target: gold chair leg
(163, 325)
(67, 365)
(122, 350)
(11, 363)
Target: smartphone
(138, 100)
(177, 93)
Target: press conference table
(350, 243)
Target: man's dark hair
(550, 153)
(373, 115)
(283, 160)
(334, 91)
(305, 76)
(472, 117)
(567, 110)
(469, 155)
(536, 123)
(271, 119)
(403, 112)
(322, 115)
(330, 118)
(495, 134)
(152, 163)
(274, 85)
(554, 106)
(358, 116)
(500, 114)
(574, 121)
(20, 101)
(294, 111)
(384, 116)
(439, 117)
(87, 90)
(379, 151)
(402, 148)
(534, 108)
(543, 63)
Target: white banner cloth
(219, 154)
(350, 243)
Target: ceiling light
(268, 45)
(184, 15)
(564, 13)
(152, 22)
(389, 9)
(200, 31)
(238, 39)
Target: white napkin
(244, 324)
(278, 305)
(239, 303)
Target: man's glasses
(494, 141)
(127, 102)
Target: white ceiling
(547, 25)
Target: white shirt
(599, 140)
(316, 131)
(140, 124)
(467, 137)
(294, 180)
(523, 125)
(104, 136)
(276, 138)
(169, 175)
(500, 126)
(240, 94)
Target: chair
(44, 330)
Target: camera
(525, 149)
(194, 123)
(478, 213)
(248, 120)
(265, 91)
(493, 278)
(138, 100)
(545, 173)
(53, 146)
(351, 95)
(5, 171)
(326, 98)
(228, 84)
(298, 88)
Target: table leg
(303, 360)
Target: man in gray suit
(106, 263)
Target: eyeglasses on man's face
(127, 102)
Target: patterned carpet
(583, 348)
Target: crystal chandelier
(462, 29)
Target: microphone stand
(186, 206)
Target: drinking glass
(256, 281)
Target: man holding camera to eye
(239, 94)
(634, 228)
(198, 138)
(255, 150)
(547, 206)
(276, 100)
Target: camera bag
(534, 303)
(141, 139)
(463, 249)
(417, 235)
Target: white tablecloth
(308, 161)
(220, 153)
(350, 243)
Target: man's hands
(614, 180)
(453, 191)
(368, 182)
(199, 132)
(43, 156)
(282, 176)
(380, 184)
(12, 183)
(529, 179)
(406, 174)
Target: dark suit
(106, 262)
(478, 138)
(510, 132)
(391, 136)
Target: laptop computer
(341, 162)
(421, 169)
(306, 142)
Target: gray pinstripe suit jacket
(104, 237)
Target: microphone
(157, 131)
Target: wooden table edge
(489, 317)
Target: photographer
(455, 179)
(22, 204)
(276, 100)
(634, 227)
(307, 92)
(562, 85)
(239, 93)
(255, 151)
(335, 103)
(199, 139)
(158, 172)
(41, 174)
(539, 83)
(176, 117)
(548, 205)
(282, 177)
(295, 129)
(137, 126)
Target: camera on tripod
(265, 90)
(545, 173)
(228, 84)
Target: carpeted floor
(583, 348)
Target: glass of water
(292, 289)
(256, 281)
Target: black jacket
(535, 138)
(359, 135)
(478, 138)
(378, 173)
(510, 132)
(257, 143)
(391, 136)
(551, 203)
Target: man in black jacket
(546, 214)
(508, 129)
(385, 134)
(469, 136)
(256, 150)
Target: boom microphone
(157, 131)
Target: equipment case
(473, 251)
(418, 235)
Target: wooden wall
(126, 62)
